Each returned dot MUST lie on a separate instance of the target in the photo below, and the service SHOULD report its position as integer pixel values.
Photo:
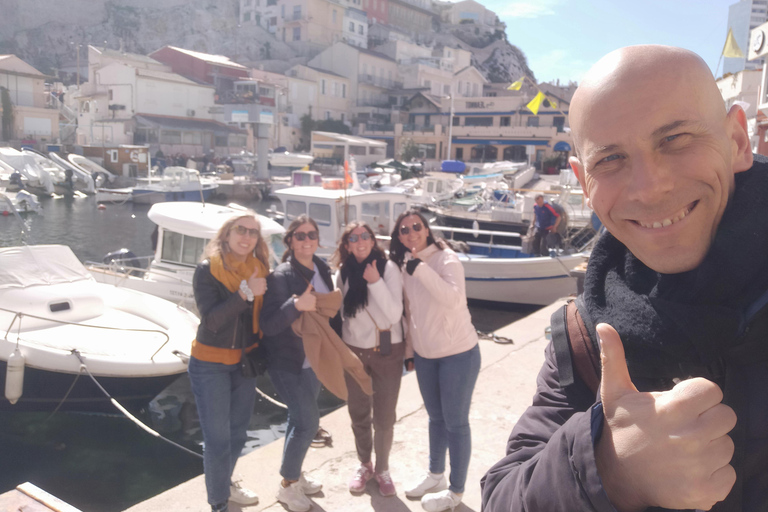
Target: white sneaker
(293, 498)
(430, 483)
(440, 501)
(242, 496)
(309, 485)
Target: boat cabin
(332, 209)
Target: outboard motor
(125, 261)
(16, 181)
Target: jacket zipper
(234, 336)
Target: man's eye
(610, 158)
(670, 138)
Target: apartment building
(743, 88)
(469, 10)
(372, 76)
(331, 99)
(35, 111)
(410, 17)
(216, 70)
(743, 16)
(133, 99)
(355, 25)
(377, 10)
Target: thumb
(615, 381)
(309, 289)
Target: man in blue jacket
(545, 222)
(676, 295)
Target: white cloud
(529, 8)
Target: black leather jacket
(283, 348)
(226, 320)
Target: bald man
(675, 301)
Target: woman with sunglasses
(372, 310)
(447, 356)
(290, 287)
(229, 286)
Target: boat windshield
(21, 267)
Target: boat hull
(148, 196)
(45, 391)
(520, 280)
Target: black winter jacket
(226, 320)
(283, 348)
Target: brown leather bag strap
(574, 350)
(586, 357)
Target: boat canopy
(25, 266)
(456, 166)
(202, 220)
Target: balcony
(378, 129)
(504, 131)
(424, 128)
(374, 102)
(379, 81)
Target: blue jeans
(446, 385)
(299, 392)
(225, 401)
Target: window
(398, 208)
(475, 90)
(327, 115)
(357, 150)
(343, 90)
(296, 12)
(178, 248)
(297, 33)
(533, 121)
(221, 141)
(334, 91)
(365, 68)
(192, 138)
(247, 16)
(110, 94)
(376, 214)
(294, 208)
(504, 121)
(429, 151)
(342, 117)
(247, 3)
(352, 26)
(459, 154)
(321, 213)
(282, 11)
(360, 29)
(559, 123)
(456, 121)
(334, 15)
(322, 86)
(446, 89)
(170, 137)
(478, 121)
(428, 83)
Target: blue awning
(501, 142)
(562, 146)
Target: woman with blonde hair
(229, 285)
(372, 311)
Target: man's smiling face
(657, 154)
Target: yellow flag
(305, 168)
(552, 103)
(516, 85)
(536, 102)
(731, 49)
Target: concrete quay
(504, 390)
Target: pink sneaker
(386, 486)
(362, 475)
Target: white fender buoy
(475, 228)
(14, 376)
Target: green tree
(7, 118)
(409, 151)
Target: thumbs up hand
(258, 285)
(669, 449)
(306, 301)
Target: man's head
(539, 199)
(656, 152)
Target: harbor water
(105, 462)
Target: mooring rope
(119, 407)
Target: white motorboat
(183, 230)
(175, 184)
(18, 202)
(503, 273)
(37, 179)
(281, 157)
(82, 180)
(61, 327)
(100, 175)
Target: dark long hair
(294, 225)
(340, 255)
(396, 248)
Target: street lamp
(450, 124)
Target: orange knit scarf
(235, 272)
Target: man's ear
(578, 170)
(741, 150)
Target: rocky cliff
(46, 33)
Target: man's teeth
(667, 222)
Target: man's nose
(650, 178)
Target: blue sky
(563, 38)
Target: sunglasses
(242, 231)
(363, 236)
(302, 235)
(404, 230)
